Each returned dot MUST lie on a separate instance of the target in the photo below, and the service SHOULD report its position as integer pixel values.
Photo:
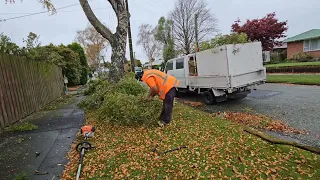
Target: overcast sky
(62, 27)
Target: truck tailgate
(250, 78)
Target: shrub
(129, 85)
(129, 110)
(92, 87)
(275, 58)
(302, 57)
(94, 101)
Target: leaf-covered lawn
(216, 149)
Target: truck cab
(181, 68)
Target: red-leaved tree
(267, 30)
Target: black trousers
(166, 113)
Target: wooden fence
(26, 86)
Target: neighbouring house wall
(297, 47)
(294, 48)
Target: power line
(58, 11)
(42, 12)
(12, 13)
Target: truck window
(180, 63)
(169, 66)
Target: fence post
(3, 114)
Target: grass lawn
(23, 126)
(294, 64)
(216, 149)
(306, 79)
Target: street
(298, 106)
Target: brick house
(308, 42)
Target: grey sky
(61, 27)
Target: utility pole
(104, 63)
(196, 31)
(130, 39)
(135, 61)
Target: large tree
(117, 40)
(94, 44)
(148, 42)
(267, 30)
(184, 27)
(164, 36)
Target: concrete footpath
(43, 150)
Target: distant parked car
(138, 71)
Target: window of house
(169, 66)
(311, 45)
(180, 63)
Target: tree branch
(103, 30)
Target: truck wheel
(208, 97)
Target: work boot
(161, 123)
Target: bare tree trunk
(117, 59)
(150, 64)
(117, 40)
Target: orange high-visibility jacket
(164, 82)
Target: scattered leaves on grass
(258, 121)
(217, 149)
(191, 103)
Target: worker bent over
(164, 86)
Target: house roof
(313, 33)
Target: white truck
(225, 72)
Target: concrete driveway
(298, 106)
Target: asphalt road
(297, 106)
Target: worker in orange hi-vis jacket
(164, 86)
